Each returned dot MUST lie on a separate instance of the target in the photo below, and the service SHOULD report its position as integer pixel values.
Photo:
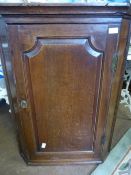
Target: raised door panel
(60, 72)
(64, 80)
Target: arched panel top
(68, 73)
(84, 42)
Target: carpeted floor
(119, 157)
(123, 123)
(11, 162)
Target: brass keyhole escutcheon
(23, 104)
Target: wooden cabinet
(60, 71)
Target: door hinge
(103, 139)
(114, 62)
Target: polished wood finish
(62, 76)
(63, 8)
(117, 81)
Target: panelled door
(63, 80)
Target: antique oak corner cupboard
(63, 65)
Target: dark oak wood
(66, 9)
(117, 81)
(61, 70)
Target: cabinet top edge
(84, 4)
(39, 9)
